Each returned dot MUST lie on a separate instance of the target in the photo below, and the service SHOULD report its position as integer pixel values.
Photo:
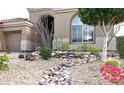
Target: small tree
(45, 34)
(105, 19)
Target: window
(81, 32)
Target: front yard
(89, 74)
(23, 72)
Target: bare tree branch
(110, 24)
(44, 32)
(41, 34)
(103, 27)
(115, 32)
(101, 30)
(113, 36)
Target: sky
(6, 13)
(18, 8)
(121, 31)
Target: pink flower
(113, 78)
(101, 69)
(112, 73)
(119, 78)
(122, 76)
(106, 77)
(103, 73)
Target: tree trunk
(104, 54)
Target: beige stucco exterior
(17, 36)
(62, 25)
(21, 35)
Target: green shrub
(94, 50)
(120, 46)
(64, 46)
(40, 51)
(113, 62)
(45, 53)
(85, 47)
(78, 49)
(91, 49)
(4, 60)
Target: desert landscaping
(23, 72)
(63, 47)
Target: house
(19, 34)
(69, 28)
(16, 35)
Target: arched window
(81, 32)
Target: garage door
(13, 41)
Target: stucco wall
(27, 34)
(62, 25)
(33, 16)
(99, 43)
(2, 41)
(98, 31)
(27, 42)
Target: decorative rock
(59, 75)
(61, 79)
(30, 57)
(52, 74)
(92, 56)
(42, 80)
(92, 59)
(51, 69)
(67, 72)
(62, 64)
(46, 76)
(35, 54)
(53, 54)
(67, 77)
(58, 52)
(86, 56)
(21, 56)
(82, 56)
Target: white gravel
(25, 72)
(88, 74)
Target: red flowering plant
(112, 71)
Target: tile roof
(13, 20)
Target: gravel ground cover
(88, 74)
(81, 73)
(23, 72)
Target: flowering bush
(111, 73)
